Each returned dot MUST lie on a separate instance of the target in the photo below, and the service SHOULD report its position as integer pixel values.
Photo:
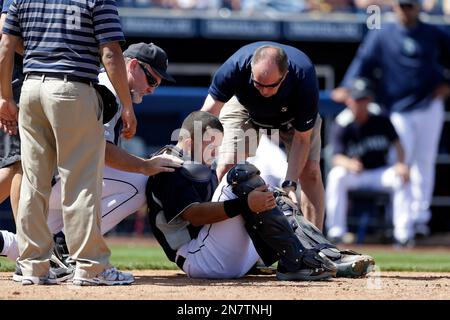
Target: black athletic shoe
(324, 269)
(60, 272)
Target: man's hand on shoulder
(161, 163)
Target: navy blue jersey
(369, 142)
(404, 64)
(4, 4)
(297, 97)
(169, 194)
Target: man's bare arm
(19, 46)
(199, 214)
(8, 107)
(118, 158)
(212, 105)
(298, 155)
(112, 58)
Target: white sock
(10, 248)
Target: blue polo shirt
(297, 97)
(404, 64)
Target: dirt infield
(174, 285)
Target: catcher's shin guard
(274, 230)
(348, 263)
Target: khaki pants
(60, 125)
(241, 137)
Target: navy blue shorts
(10, 145)
(9, 149)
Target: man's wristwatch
(289, 183)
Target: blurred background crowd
(434, 7)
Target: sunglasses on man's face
(152, 82)
(272, 85)
(406, 6)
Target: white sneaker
(50, 278)
(109, 277)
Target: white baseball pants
(123, 194)
(222, 250)
(340, 181)
(420, 132)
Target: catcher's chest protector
(174, 233)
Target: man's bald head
(268, 57)
(269, 69)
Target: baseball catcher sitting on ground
(208, 239)
(244, 178)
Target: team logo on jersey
(409, 46)
(284, 109)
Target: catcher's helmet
(244, 178)
(108, 100)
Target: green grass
(140, 257)
(391, 260)
(146, 257)
(124, 257)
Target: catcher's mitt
(108, 101)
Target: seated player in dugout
(210, 239)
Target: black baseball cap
(152, 55)
(361, 88)
(410, 2)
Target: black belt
(284, 126)
(61, 76)
(179, 260)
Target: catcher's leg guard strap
(306, 241)
(313, 238)
(273, 227)
(311, 231)
(306, 232)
